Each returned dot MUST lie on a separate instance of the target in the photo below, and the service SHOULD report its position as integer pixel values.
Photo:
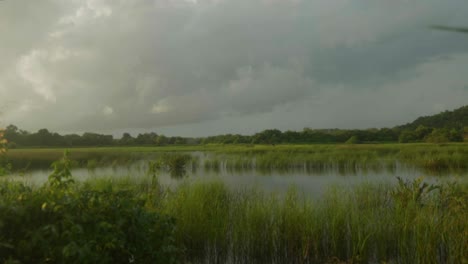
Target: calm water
(312, 183)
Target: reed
(409, 223)
(431, 158)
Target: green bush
(66, 222)
(353, 140)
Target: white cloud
(160, 107)
(107, 110)
(30, 69)
(90, 9)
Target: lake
(239, 171)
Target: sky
(207, 67)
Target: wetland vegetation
(429, 158)
(233, 131)
(112, 220)
(161, 209)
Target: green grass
(197, 222)
(370, 223)
(431, 158)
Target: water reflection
(173, 168)
(311, 183)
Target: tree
(438, 136)
(146, 139)
(455, 135)
(11, 133)
(269, 136)
(12, 129)
(353, 140)
(73, 140)
(127, 139)
(4, 165)
(93, 139)
(3, 142)
(422, 131)
(161, 140)
(407, 136)
(42, 137)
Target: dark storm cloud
(104, 65)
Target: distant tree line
(448, 126)
(44, 138)
(311, 136)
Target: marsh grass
(410, 222)
(430, 158)
(349, 159)
(370, 223)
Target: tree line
(447, 126)
(44, 138)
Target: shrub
(66, 222)
(353, 140)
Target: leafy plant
(415, 191)
(5, 166)
(61, 177)
(68, 222)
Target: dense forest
(448, 126)
(448, 119)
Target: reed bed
(431, 158)
(210, 222)
(409, 223)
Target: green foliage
(62, 222)
(445, 135)
(416, 131)
(61, 177)
(353, 140)
(115, 221)
(415, 192)
(5, 166)
(3, 142)
(408, 223)
(457, 119)
(431, 158)
(407, 136)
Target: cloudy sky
(204, 67)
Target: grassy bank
(114, 221)
(432, 158)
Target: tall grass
(371, 223)
(102, 219)
(432, 158)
